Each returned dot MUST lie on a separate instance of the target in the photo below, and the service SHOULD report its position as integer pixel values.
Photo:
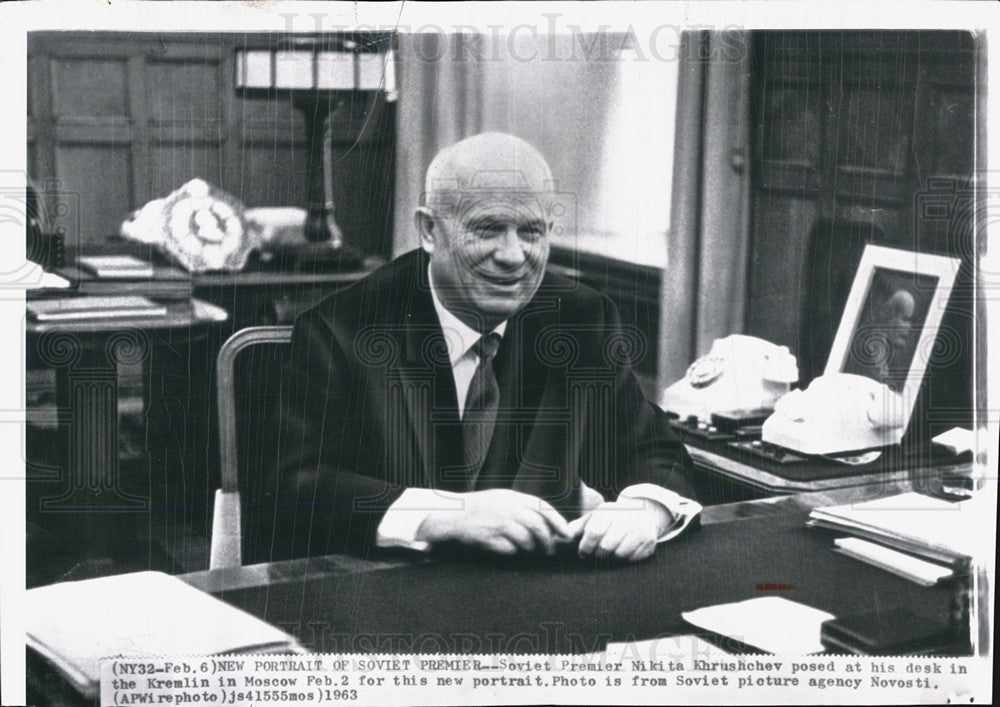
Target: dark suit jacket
(369, 408)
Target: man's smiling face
(490, 256)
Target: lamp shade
(297, 69)
(254, 69)
(307, 68)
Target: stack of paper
(165, 283)
(77, 308)
(939, 530)
(120, 267)
(76, 624)
(924, 573)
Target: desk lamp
(318, 74)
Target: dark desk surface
(563, 604)
(220, 580)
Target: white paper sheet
(772, 624)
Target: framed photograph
(891, 319)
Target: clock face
(705, 370)
(203, 230)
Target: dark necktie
(480, 414)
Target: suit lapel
(428, 389)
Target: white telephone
(739, 373)
(838, 412)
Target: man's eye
(489, 230)
(531, 232)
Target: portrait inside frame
(891, 318)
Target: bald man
(462, 396)
(896, 316)
(883, 346)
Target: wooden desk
(268, 573)
(259, 297)
(317, 593)
(743, 550)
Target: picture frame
(891, 319)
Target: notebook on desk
(74, 625)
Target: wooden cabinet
(859, 137)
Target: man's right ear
(427, 227)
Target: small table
(86, 356)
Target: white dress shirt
(403, 518)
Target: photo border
(939, 266)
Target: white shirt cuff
(400, 523)
(682, 509)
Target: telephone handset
(838, 412)
(739, 373)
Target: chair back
(226, 548)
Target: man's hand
(627, 529)
(498, 520)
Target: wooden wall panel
(171, 165)
(184, 90)
(874, 130)
(774, 300)
(874, 127)
(273, 174)
(791, 135)
(89, 87)
(952, 117)
(278, 113)
(104, 172)
(791, 129)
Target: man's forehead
(496, 180)
(509, 206)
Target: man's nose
(510, 250)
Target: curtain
(704, 285)
(561, 93)
(440, 83)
